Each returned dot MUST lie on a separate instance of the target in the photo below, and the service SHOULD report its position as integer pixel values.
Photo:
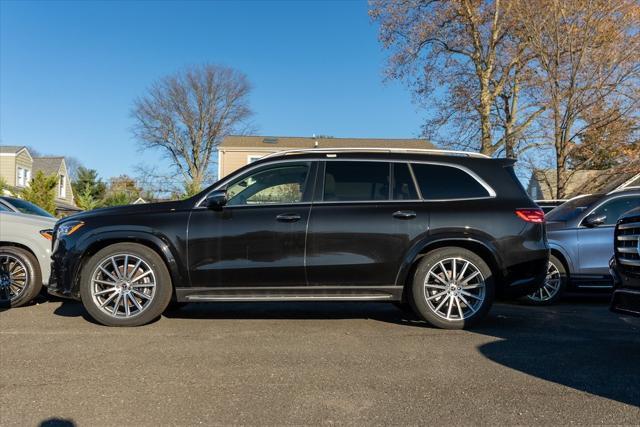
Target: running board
(290, 293)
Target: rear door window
(403, 186)
(439, 182)
(356, 181)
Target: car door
(357, 235)
(595, 243)
(258, 237)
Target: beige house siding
(23, 160)
(8, 169)
(9, 163)
(68, 189)
(231, 160)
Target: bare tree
(587, 71)
(466, 47)
(187, 114)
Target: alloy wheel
(454, 289)
(551, 285)
(14, 277)
(123, 285)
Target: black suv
(625, 265)
(443, 231)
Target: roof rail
(620, 189)
(378, 150)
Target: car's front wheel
(125, 284)
(453, 288)
(20, 277)
(554, 284)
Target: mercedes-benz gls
(444, 232)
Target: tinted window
(29, 208)
(354, 181)
(572, 208)
(403, 187)
(272, 184)
(446, 182)
(3, 208)
(614, 208)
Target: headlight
(68, 228)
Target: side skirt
(290, 293)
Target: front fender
(568, 258)
(99, 238)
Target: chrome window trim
(490, 190)
(485, 185)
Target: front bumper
(626, 291)
(64, 270)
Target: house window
(24, 177)
(252, 158)
(63, 186)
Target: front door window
(282, 184)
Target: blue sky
(69, 71)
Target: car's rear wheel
(554, 284)
(125, 284)
(20, 277)
(453, 288)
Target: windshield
(572, 208)
(28, 208)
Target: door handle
(404, 214)
(288, 217)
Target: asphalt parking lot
(319, 363)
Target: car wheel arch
(146, 239)
(563, 259)
(482, 249)
(24, 247)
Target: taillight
(47, 234)
(531, 215)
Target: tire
(554, 285)
(442, 301)
(20, 268)
(133, 296)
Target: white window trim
(62, 191)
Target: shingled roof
(11, 149)
(48, 165)
(293, 142)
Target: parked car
(549, 205)
(625, 265)
(25, 256)
(445, 232)
(13, 204)
(580, 234)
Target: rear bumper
(626, 292)
(524, 278)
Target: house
(543, 183)
(236, 151)
(17, 168)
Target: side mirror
(216, 200)
(594, 220)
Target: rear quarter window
(439, 182)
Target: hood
(632, 213)
(37, 221)
(128, 210)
